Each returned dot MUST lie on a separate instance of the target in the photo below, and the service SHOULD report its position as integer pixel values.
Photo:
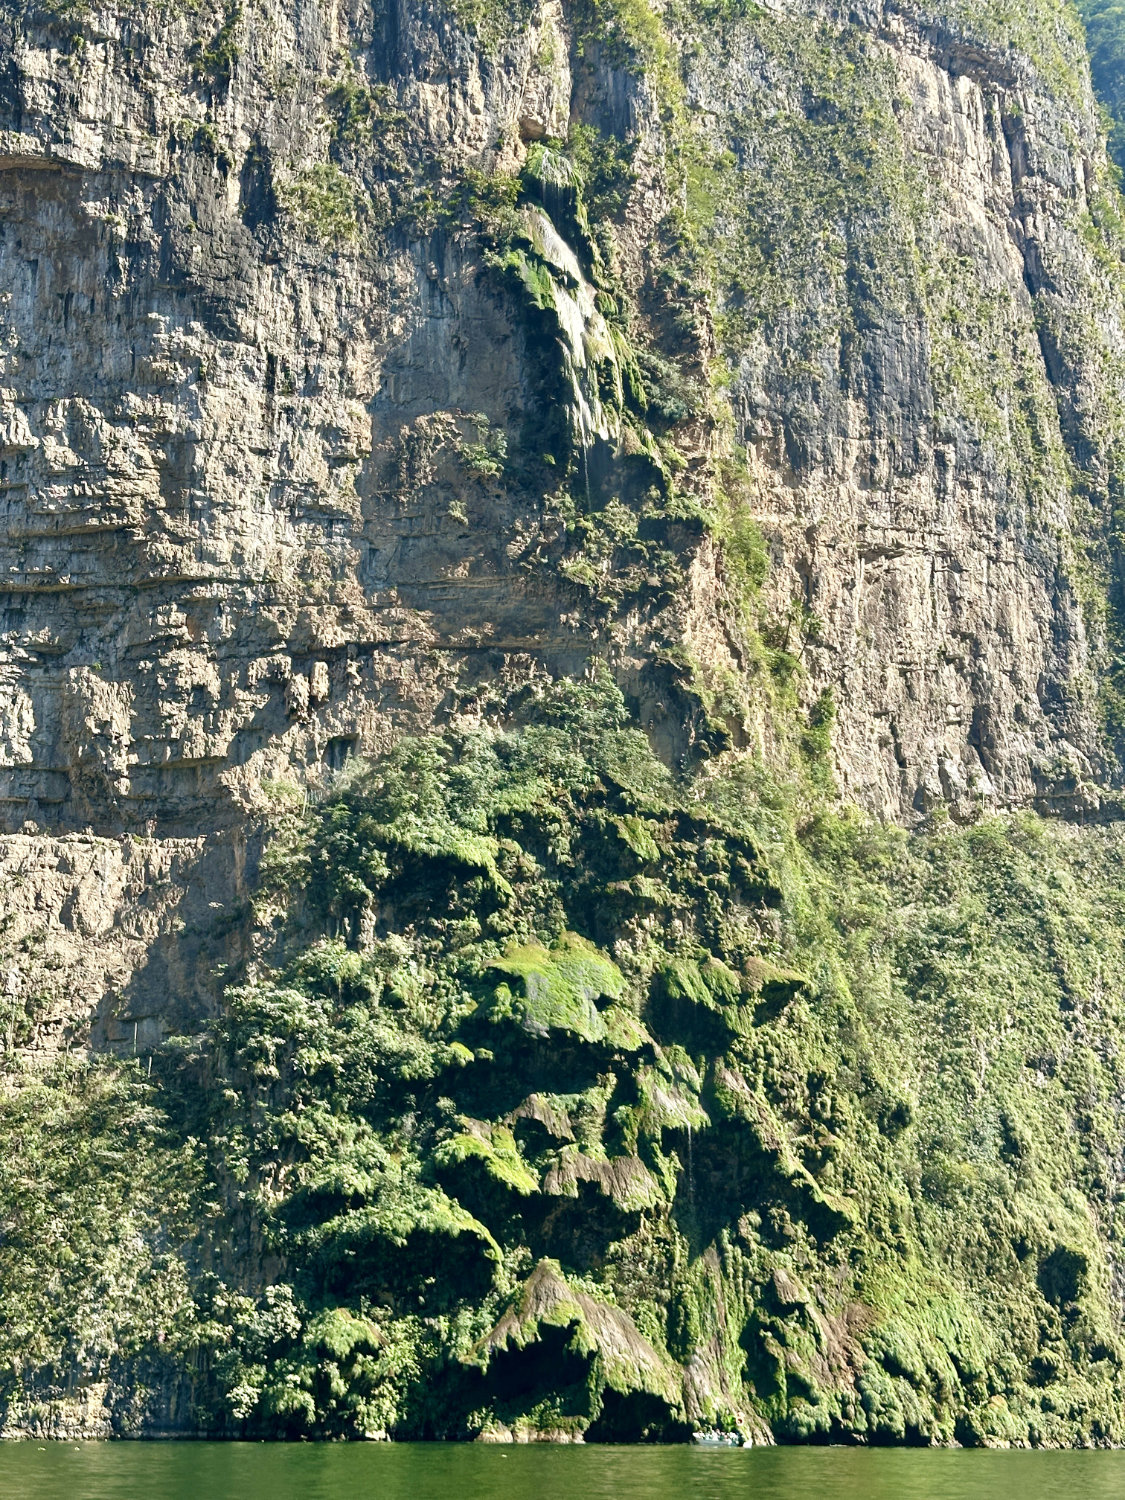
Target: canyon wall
(367, 370)
(291, 467)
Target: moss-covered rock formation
(577, 1100)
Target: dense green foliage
(589, 1101)
(555, 1044)
(1105, 40)
(97, 1202)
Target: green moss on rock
(556, 989)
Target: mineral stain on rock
(561, 720)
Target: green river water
(247, 1471)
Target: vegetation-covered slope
(1105, 37)
(581, 1101)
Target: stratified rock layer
(286, 457)
(248, 365)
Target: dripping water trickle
(690, 1173)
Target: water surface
(422, 1471)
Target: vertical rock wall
(292, 461)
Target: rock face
(254, 362)
(255, 517)
(366, 366)
(919, 407)
(288, 461)
(113, 943)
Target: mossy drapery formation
(543, 1128)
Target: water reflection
(246, 1471)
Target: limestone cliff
(256, 354)
(371, 369)
(289, 461)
